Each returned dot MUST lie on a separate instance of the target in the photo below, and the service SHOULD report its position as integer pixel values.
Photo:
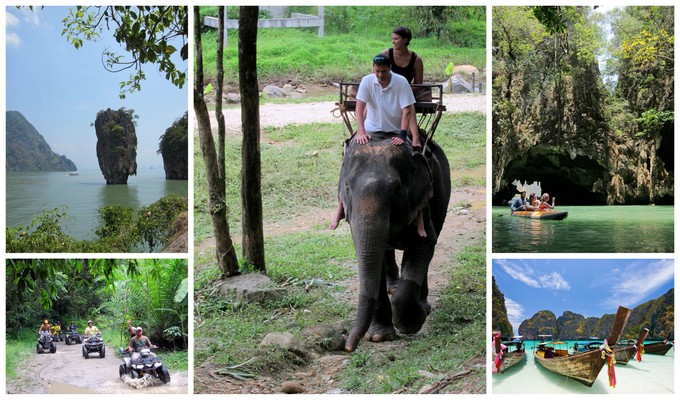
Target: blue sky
(60, 89)
(591, 288)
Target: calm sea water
(654, 375)
(80, 196)
(587, 229)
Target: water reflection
(598, 229)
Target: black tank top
(408, 72)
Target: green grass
(174, 360)
(17, 350)
(455, 335)
(296, 54)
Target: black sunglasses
(381, 60)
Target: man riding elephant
(383, 188)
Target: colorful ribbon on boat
(640, 350)
(499, 357)
(608, 354)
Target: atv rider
(73, 328)
(91, 330)
(132, 330)
(138, 343)
(56, 329)
(44, 329)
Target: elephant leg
(381, 328)
(391, 270)
(364, 315)
(409, 301)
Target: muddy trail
(68, 372)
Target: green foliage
(653, 120)
(120, 229)
(148, 33)
(353, 35)
(552, 18)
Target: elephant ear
(421, 186)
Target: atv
(145, 364)
(45, 343)
(72, 337)
(94, 345)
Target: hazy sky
(591, 288)
(60, 89)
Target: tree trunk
(251, 197)
(221, 131)
(224, 248)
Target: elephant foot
(379, 332)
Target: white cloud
(31, 17)
(532, 277)
(515, 313)
(12, 20)
(13, 40)
(636, 283)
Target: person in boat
(409, 65)
(387, 111)
(519, 203)
(544, 205)
(533, 203)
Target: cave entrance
(570, 180)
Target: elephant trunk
(369, 242)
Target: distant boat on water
(73, 173)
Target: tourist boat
(659, 348)
(584, 367)
(511, 352)
(625, 351)
(543, 214)
(73, 173)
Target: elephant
(382, 188)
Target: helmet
(45, 322)
(89, 322)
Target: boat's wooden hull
(554, 215)
(584, 367)
(624, 354)
(510, 360)
(659, 348)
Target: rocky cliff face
(116, 145)
(499, 313)
(552, 128)
(27, 149)
(657, 315)
(174, 148)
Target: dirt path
(305, 113)
(67, 372)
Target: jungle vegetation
(121, 230)
(152, 293)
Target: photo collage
(238, 199)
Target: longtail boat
(584, 367)
(545, 214)
(624, 352)
(659, 348)
(507, 354)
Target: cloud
(12, 20)
(637, 282)
(532, 277)
(515, 313)
(13, 40)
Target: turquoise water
(80, 196)
(654, 375)
(587, 229)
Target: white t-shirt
(384, 106)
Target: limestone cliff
(27, 149)
(174, 148)
(554, 122)
(499, 313)
(116, 144)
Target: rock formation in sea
(116, 144)
(657, 315)
(27, 149)
(499, 313)
(174, 148)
